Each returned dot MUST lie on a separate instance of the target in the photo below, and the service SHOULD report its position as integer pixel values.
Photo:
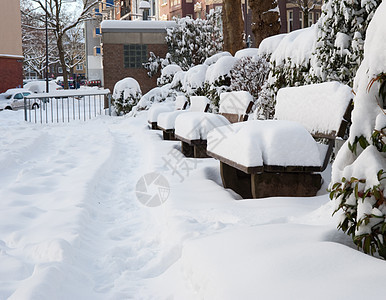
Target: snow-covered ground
(71, 226)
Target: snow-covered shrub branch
(358, 184)
(340, 38)
(126, 95)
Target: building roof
(136, 26)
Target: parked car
(14, 99)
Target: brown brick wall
(11, 73)
(114, 69)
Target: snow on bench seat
(158, 108)
(166, 121)
(195, 126)
(192, 128)
(257, 143)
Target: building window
(79, 67)
(60, 70)
(97, 50)
(290, 20)
(310, 18)
(164, 2)
(134, 55)
(317, 15)
(97, 31)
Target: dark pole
(47, 89)
(246, 22)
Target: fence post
(109, 101)
(25, 109)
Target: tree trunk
(265, 19)
(305, 17)
(62, 61)
(233, 26)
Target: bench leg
(153, 125)
(187, 149)
(236, 180)
(200, 151)
(285, 184)
(169, 135)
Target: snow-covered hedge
(167, 74)
(340, 37)
(126, 95)
(249, 74)
(192, 41)
(358, 183)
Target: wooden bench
(284, 157)
(166, 120)
(192, 129)
(157, 108)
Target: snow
(157, 94)
(342, 43)
(196, 125)
(144, 5)
(137, 24)
(40, 86)
(129, 86)
(180, 102)
(324, 104)
(198, 103)
(170, 70)
(270, 44)
(158, 108)
(297, 45)
(247, 52)
(72, 228)
(270, 142)
(167, 120)
(214, 58)
(235, 102)
(222, 67)
(194, 78)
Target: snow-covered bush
(340, 37)
(214, 58)
(156, 95)
(154, 63)
(192, 41)
(358, 183)
(167, 74)
(126, 95)
(218, 79)
(249, 74)
(290, 61)
(194, 81)
(289, 58)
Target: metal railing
(67, 105)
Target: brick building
(11, 53)
(126, 45)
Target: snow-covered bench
(158, 108)
(283, 157)
(192, 129)
(166, 120)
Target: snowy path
(71, 226)
(74, 224)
